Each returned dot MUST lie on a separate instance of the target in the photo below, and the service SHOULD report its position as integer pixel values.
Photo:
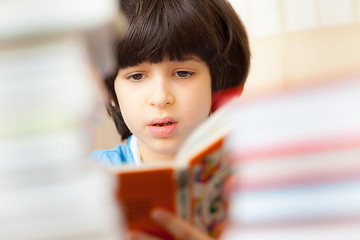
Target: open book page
(216, 127)
(199, 195)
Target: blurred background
(293, 43)
(51, 114)
(51, 54)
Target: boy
(174, 56)
(180, 52)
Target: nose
(161, 95)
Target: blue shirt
(120, 155)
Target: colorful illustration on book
(204, 171)
(208, 204)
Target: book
(48, 188)
(295, 156)
(348, 230)
(190, 186)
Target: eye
(136, 77)
(184, 74)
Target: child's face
(163, 103)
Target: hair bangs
(169, 30)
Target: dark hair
(175, 29)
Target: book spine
(183, 194)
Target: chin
(168, 151)
(168, 148)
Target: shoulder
(120, 155)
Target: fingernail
(159, 215)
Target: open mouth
(162, 124)
(163, 127)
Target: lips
(162, 127)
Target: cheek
(127, 104)
(198, 105)
(204, 98)
(128, 107)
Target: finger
(176, 226)
(135, 235)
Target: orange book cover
(140, 191)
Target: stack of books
(48, 187)
(296, 155)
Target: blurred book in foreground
(48, 188)
(297, 160)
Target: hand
(177, 227)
